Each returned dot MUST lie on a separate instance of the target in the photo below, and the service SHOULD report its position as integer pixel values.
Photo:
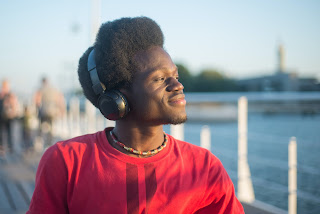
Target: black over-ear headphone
(112, 104)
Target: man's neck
(139, 137)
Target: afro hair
(116, 44)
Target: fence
(78, 122)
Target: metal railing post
(292, 176)
(177, 131)
(205, 138)
(245, 187)
(90, 111)
(74, 117)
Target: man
(8, 112)
(50, 105)
(134, 167)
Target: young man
(50, 105)
(134, 167)
(8, 113)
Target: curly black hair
(116, 44)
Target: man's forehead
(153, 59)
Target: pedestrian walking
(8, 113)
(50, 106)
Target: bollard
(74, 117)
(177, 131)
(292, 176)
(16, 137)
(245, 187)
(90, 117)
(205, 138)
(109, 123)
(64, 132)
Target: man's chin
(178, 120)
(174, 120)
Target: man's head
(116, 45)
(130, 57)
(5, 88)
(44, 81)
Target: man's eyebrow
(155, 69)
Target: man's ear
(127, 93)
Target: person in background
(27, 128)
(50, 105)
(133, 167)
(8, 112)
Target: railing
(77, 123)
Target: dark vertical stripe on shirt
(151, 183)
(132, 189)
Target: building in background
(281, 80)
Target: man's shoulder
(187, 145)
(193, 151)
(78, 145)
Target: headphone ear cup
(113, 105)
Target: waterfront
(268, 138)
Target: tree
(185, 77)
(210, 80)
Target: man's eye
(159, 79)
(177, 77)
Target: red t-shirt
(87, 175)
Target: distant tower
(281, 66)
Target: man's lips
(178, 100)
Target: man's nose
(174, 85)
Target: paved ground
(17, 175)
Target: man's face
(156, 96)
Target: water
(268, 138)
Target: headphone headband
(96, 84)
(112, 104)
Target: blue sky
(239, 38)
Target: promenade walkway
(17, 174)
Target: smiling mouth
(178, 100)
